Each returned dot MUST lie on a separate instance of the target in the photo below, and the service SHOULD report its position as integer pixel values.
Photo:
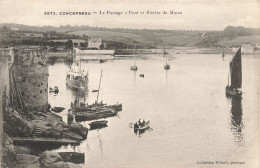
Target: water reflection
(80, 94)
(166, 79)
(236, 124)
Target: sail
(236, 70)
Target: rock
(22, 150)
(72, 165)
(8, 152)
(79, 129)
(76, 127)
(28, 161)
(72, 135)
(49, 159)
(98, 124)
(84, 133)
(74, 157)
(14, 124)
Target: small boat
(57, 109)
(55, 89)
(166, 66)
(165, 53)
(98, 124)
(141, 75)
(102, 61)
(142, 126)
(235, 67)
(95, 90)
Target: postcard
(129, 84)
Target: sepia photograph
(129, 84)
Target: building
(30, 35)
(30, 79)
(94, 43)
(245, 49)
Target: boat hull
(232, 93)
(76, 84)
(147, 125)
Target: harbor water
(191, 119)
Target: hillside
(151, 38)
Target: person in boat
(143, 122)
(136, 125)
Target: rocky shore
(21, 157)
(36, 125)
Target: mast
(99, 84)
(134, 55)
(80, 61)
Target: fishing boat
(57, 109)
(142, 126)
(134, 67)
(76, 78)
(167, 66)
(235, 69)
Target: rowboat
(142, 127)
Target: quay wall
(30, 73)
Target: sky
(196, 14)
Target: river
(191, 118)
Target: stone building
(30, 78)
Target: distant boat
(164, 52)
(134, 67)
(235, 67)
(167, 66)
(55, 89)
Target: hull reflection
(236, 123)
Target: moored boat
(76, 78)
(55, 89)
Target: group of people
(139, 123)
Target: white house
(94, 43)
(245, 49)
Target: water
(191, 118)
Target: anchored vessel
(134, 67)
(167, 66)
(76, 78)
(235, 67)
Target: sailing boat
(134, 68)
(77, 78)
(235, 67)
(167, 66)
